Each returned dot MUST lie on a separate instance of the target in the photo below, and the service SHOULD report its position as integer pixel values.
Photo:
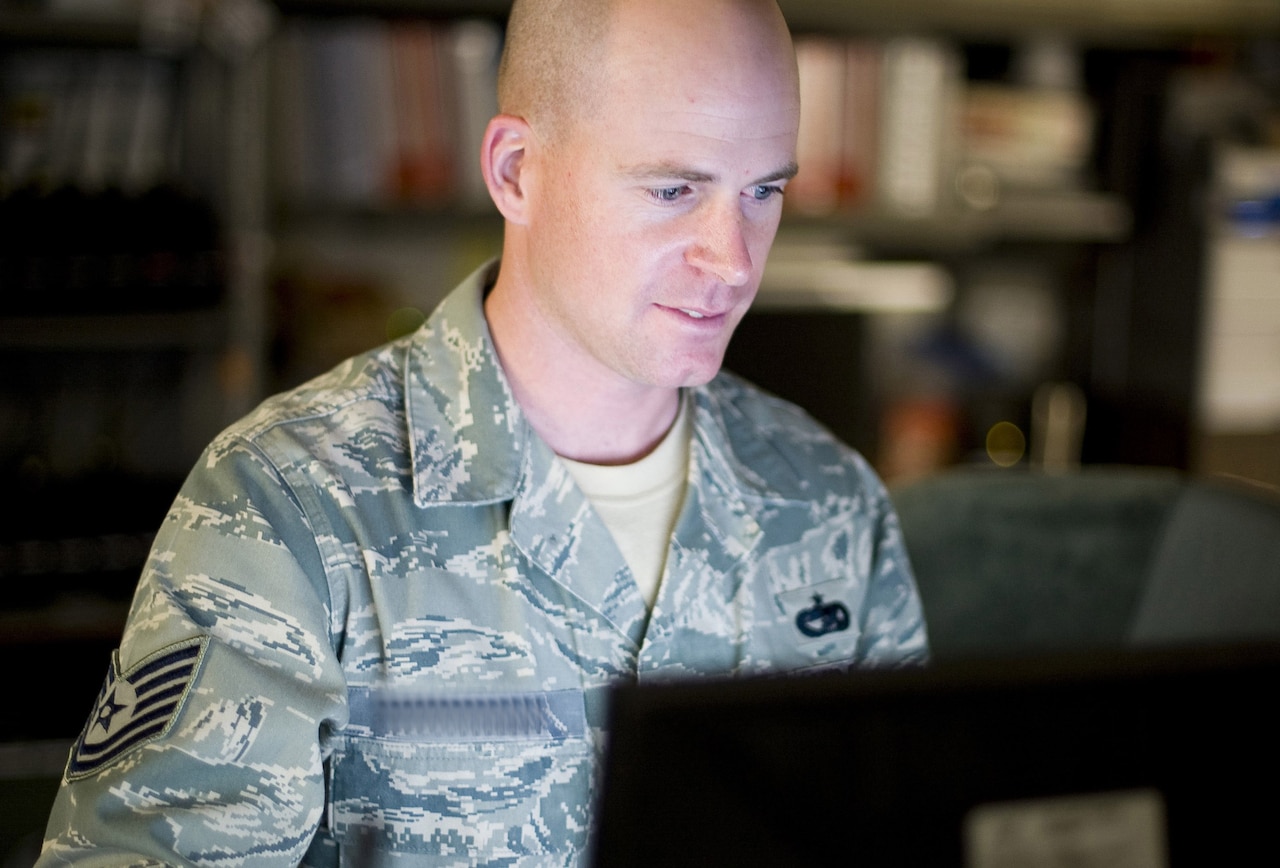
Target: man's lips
(695, 314)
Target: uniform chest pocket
(822, 616)
(811, 626)
(809, 593)
(457, 781)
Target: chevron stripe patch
(136, 707)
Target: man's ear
(502, 160)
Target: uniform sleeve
(894, 631)
(206, 742)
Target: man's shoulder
(758, 406)
(779, 444)
(747, 407)
(371, 383)
(369, 391)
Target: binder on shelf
(353, 112)
(91, 119)
(890, 127)
(37, 95)
(477, 47)
(918, 125)
(295, 155)
(839, 124)
(819, 146)
(383, 113)
(151, 134)
(1029, 138)
(862, 107)
(423, 159)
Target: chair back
(1215, 575)
(1017, 562)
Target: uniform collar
(467, 434)
(471, 443)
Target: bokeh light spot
(1006, 444)
(404, 321)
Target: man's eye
(668, 194)
(761, 192)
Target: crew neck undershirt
(640, 502)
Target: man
(383, 615)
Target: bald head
(558, 52)
(551, 45)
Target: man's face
(650, 221)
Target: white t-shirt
(640, 502)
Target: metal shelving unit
(234, 325)
(191, 366)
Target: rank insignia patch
(135, 708)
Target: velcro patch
(136, 707)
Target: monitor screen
(1137, 759)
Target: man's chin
(687, 370)
(699, 377)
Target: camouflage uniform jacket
(380, 618)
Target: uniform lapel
(471, 444)
(467, 434)
(555, 526)
(697, 621)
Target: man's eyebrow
(786, 173)
(672, 171)
(677, 172)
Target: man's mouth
(701, 316)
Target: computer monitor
(1135, 759)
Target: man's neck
(583, 411)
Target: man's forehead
(730, 143)
(650, 136)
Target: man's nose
(720, 245)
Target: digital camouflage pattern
(388, 618)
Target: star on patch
(136, 707)
(122, 698)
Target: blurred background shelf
(1101, 21)
(199, 330)
(105, 26)
(1126, 23)
(1074, 216)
